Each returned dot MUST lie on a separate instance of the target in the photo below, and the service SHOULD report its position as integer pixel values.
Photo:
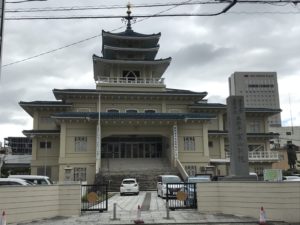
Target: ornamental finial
(128, 17)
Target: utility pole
(2, 2)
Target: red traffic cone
(3, 218)
(139, 220)
(262, 217)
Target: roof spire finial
(128, 17)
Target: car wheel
(137, 193)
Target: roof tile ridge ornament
(128, 18)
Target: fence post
(115, 212)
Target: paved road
(153, 212)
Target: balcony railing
(126, 80)
(260, 156)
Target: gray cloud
(205, 51)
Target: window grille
(45, 145)
(189, 143)
(80, 144)
(79, 174)
(191, 170)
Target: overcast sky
(205, 51)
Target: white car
(175, 186)
(14, 181)
(291, 178)
(129, 186)
(35, 179)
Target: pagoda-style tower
(129, 60)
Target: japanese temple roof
(130, 34)
(135, 116)
(30, 107)
(59, 93)
(31, 133)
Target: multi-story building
(260, 90)
(287, 135)
(18, 145)
(17, 157)
(132, 124)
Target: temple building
(132, 124)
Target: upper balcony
(130, 80)
(253, 156)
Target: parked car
(291, 178)
(129, 186)
(174, 187)
(35, 179)
(13, 181)
(190, 187)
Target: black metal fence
(94, 198)
(181, 196)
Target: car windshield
(172, 180)
(198, 179)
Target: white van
(163, 180)
(14, 181)
(35, 179)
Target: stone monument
(237, 136)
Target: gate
(94, 198)
(181, 196)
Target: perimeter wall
(27, 203)
(281, 200)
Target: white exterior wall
(281, 200)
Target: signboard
(272, 175)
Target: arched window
(113, 110)
(131, 111)
(149, 111)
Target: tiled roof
(130, 33)
(142, 116)
(44, 103)
(96, 91)
(40, 132)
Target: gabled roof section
(208, 105)
(32, 133)
(62, 94)
(135, 116)
(30, 107)
(130, 34)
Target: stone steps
(146, 179)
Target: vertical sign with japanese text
(239, 163)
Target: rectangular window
(79, 174)
(45, 144)
(210, 144)
(191, 170)
(44, 171)
(80, 144)
(189, 143)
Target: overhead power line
(86, 39)
(106, 7)
(24, 1)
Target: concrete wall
(281, 200)
(27, 203)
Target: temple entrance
(132, 147)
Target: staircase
(145, 172)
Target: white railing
(126, 80)
(259, 155)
